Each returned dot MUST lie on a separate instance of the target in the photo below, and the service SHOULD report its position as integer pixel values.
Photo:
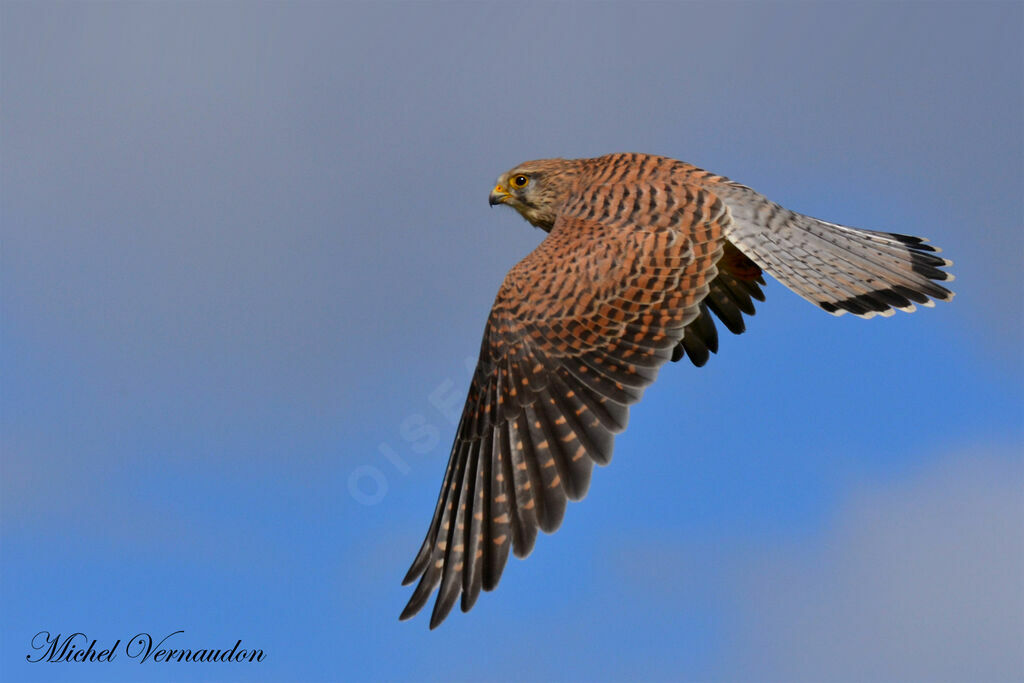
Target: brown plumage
(641, 251)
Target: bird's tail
(836, 267)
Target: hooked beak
(498, 195)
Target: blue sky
(246, 249)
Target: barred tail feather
(838, 268)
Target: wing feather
(730, 295)
(499, 510)
(578, 330)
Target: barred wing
(578, 330)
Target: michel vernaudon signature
(77, 647)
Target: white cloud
(918, 581)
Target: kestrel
(641, 251)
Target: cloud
(917, 578)
(920, 580)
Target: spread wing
(579, 328)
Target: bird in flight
(642, 254)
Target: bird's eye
(520, 181)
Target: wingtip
(442, 608)
(409, 612)
(467, 601)
(411, 575)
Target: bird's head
(536, 189)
